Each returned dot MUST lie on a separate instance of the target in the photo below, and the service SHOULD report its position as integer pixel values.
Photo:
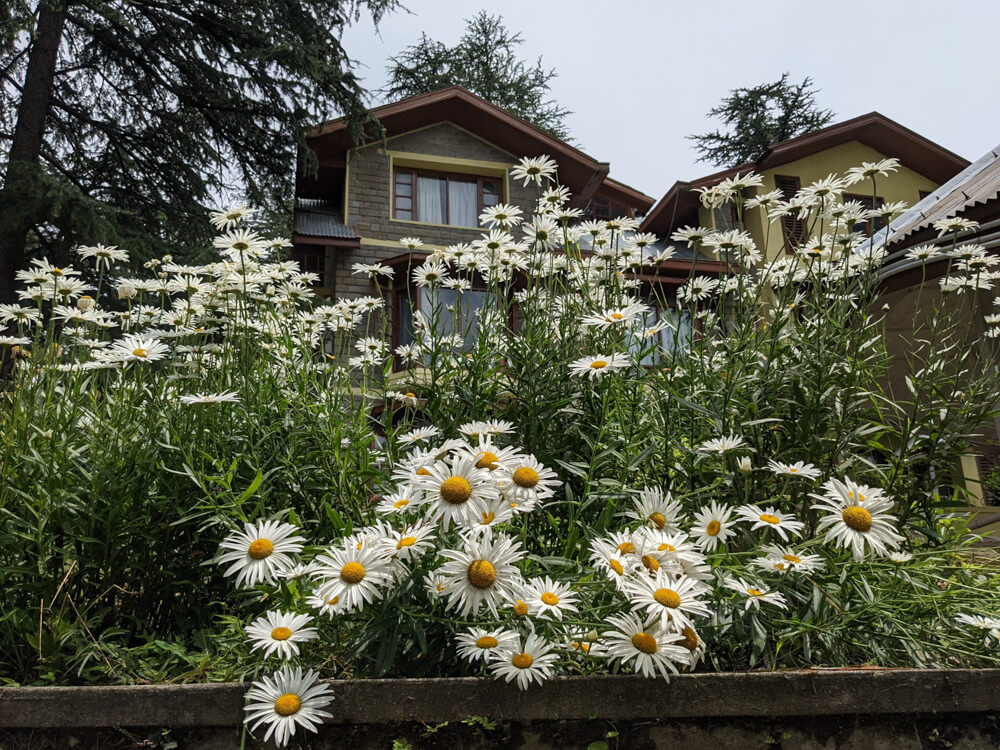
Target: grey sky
(639, 76)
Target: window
(602, 208)
(868, 228)
(310, 259)
(439, 307)
(674, 337)
(793, 228)
(439, 198)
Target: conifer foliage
(121, 120)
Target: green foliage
(756, 118)
(484, 61)
(159, 109)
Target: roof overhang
(577, 170)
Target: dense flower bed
(579, 470)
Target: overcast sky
(640, 75)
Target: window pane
(405, 204)
(405, 215)
(405, 320)
(675, 336)
(402, 176)
(432, 196)
(462, 208)
(404, 188)
(491, 193)
(440, 310)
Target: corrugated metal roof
(320, 218)
(975, 185)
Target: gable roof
(577, 170)
(874, 130)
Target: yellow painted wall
(902, 185)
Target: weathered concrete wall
(805, 710)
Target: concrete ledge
(753, 695)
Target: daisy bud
(885, 307)
(126, 290)
(744, 465)
(85, 303)
(591, 635)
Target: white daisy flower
(483, 644)
(409, 543)
(855, 524)
(798, 469)
(418, 435)
(549, 598)
(598, 366)
(785, 559)
(722, 445)
(400, 501)
(849, 491)
(755, 594)
(455, 492)
(527, 662)
(495, 512)
(526, 481)
(650, 650)
(260, 552)
(280, 633)
(473, 430)
(211, 398)
(989, 624)
(674, 601)
(784, 524)
(534, 169)
(285, 701)
(483, 572)
(353, 574)
(133, 348)
(656, 508)
(712, 527)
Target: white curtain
(432, 193)
(463, 204)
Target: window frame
(871, 226)
(793, 229)
(414, 211)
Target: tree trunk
(22, 203)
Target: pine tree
(484, 61)
(756, 118)
(125, 119)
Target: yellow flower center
(456, 490)
(792, 470)
(333, 601)
(140, 352)
(626, 548)
(668, 598)
(522, 661)
(422, 472)
(581, 646)
(713, 528)
(487, 518)
(792, 558)
(598, 364)
(617, 567)
(260, 548)
(410, 394)
(281, 634)
(617, 316)
(487, 641)
(520, 608)
(482, 574)
(666, 548)
(549, 598)
(857, 518)
(353, 572)
(658, 520)
(526, 477)
(645, 643)
(755, 592)
(487, 460)
(690, 641)
(768, 518)
(288, 704)
(406, 541)
(651, 563)
(400, 503)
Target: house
(910, 289)
(446, 155)
(797, 162)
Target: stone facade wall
(369, 200)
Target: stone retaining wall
(790, 710)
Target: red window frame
(414, 211)
(870, 226)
